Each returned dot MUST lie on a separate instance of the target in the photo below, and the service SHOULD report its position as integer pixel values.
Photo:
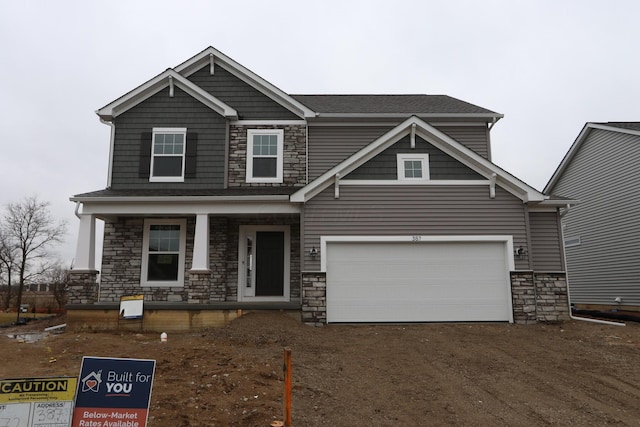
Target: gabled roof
(631, 128)
(385, 105)
(205, 57)
(162, 81)
(438, 139)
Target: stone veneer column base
(314, 298)
(199, 287)
(83, 287)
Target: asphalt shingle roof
(389, 104)
(237, 191)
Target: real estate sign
(37, 402)
(113, 392)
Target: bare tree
(58, 279)
(8, 257)
(31, 231)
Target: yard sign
(37, 402)
(113, 392)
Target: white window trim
(157, 131)
(279, 159)
(422, 157)
(145, 252)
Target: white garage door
(417, 281)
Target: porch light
(313, 252)
(520, 252)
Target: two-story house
(225, 193)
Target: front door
(263, 267)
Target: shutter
(191, 155)
(144, 168)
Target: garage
(418, 279)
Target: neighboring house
(226, 194)
(602, 232)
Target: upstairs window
(168, 155)
(413, 167)
(264, 155)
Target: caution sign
(37, 402)
(113, 392)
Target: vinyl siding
(475, 138)
(412, 210)
(604, 176)
(546, 251)
(441, 166)
(330, 145)
(162, 111)
(247, 101)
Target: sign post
(113, 392)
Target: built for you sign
(113, 392)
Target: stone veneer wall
(552, 298)
(314, 298)
(122, 263)
(122, 257)
(539, 297)
(294, 157)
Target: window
(168, 154)
(413, 167)
(163, 252)
(572, 241)
(264, 155)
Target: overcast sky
(548, 65)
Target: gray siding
(604, 176)
(441, 166)
(475, 138)
(546, 252)
(247, 101)
(329, 145)
(413, 210)
(162, 111)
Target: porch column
(200, 262)
(86, 246)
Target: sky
(549, 66)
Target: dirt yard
(576, 373)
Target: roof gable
(214, 58)
(630, 128)
(436, 138)
(164, 80)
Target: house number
(416, 238)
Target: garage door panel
(395, 282)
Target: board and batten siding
(441, 166)
(546, 252)
(330, 145)
(250, 103)
(398, 210)
(604, 176)
(162, 111)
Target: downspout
(111, 144)
(571, 316)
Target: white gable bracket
(492, 185)
(336, 193)
(413, 136)
(211, 63)
(170, 87)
